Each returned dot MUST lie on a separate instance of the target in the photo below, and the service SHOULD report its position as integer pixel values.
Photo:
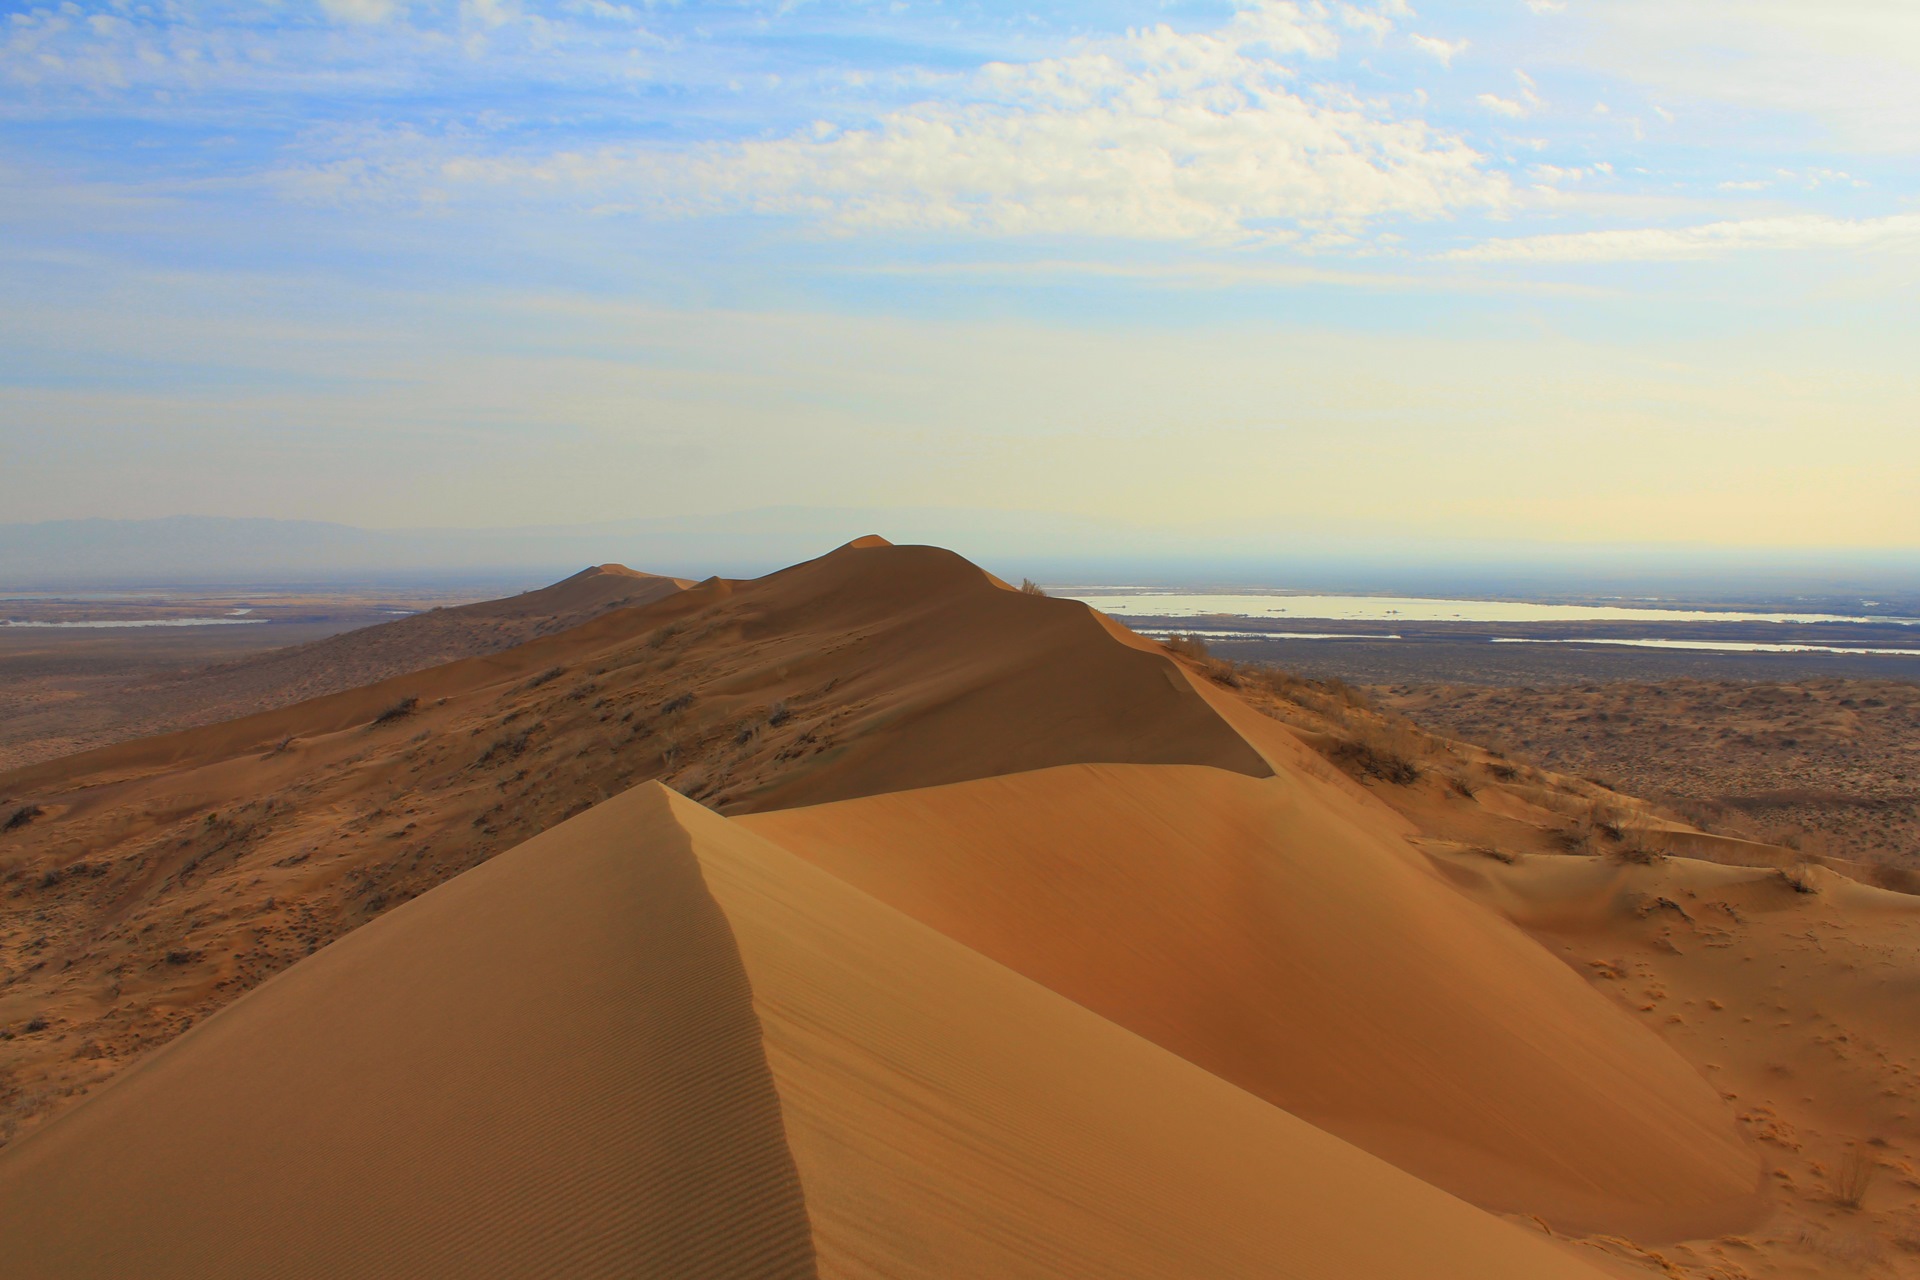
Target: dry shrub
(398, 711)
(1347, 694)
(22, 816)
(1636, 854)
(1389, 751)
(1606, 829)
(1187, 646)
(1800, 876)
(1028, 587)
(1853, 1178)
(508, 746)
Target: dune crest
(548, 1066)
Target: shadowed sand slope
(952, 675)
(549, 1066)
(595, 1055)
(1256, 929)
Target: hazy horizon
(190, 551)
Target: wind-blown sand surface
(1064, 958)
(1254, 929)
(650, 1043)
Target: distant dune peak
(865, 542)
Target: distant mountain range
(1047, 546)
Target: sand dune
(1208, 931)
(1259, 933)
(547, 1067)
(650, 1043)
(955, 676)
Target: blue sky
(1534, 271)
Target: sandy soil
(1837, 760)
(63, 692)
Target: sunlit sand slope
(548, 1066)
(951, 1118)
(611, 1051)
(1254, 929)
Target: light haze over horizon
(1530, 273)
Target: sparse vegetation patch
(398, 711)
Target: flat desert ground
(875, 918)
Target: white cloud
(1158, 135)
(1851, 64)
(1646, 244)
(364, 11)
(1516, 108)
(1443, 50)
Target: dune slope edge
(952, 1118)
(1262, 930)
(548, 1066)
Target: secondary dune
(1276, 937)
(548, 1066)
(649, 1042)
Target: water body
(1391, 609)
(135, 622)
(1693, 646)
(1719, 646)
(1212, 633)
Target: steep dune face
(954, 677)
(1292, 950)
(549, 1066)
(651, 1043)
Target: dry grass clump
(1853, 1177)
(545, 677)
(1028, 587)
(22, 816)
(507, 746)
(1800, 875)
(1389, 750)
(398, 711)
(1610, 830)
(1187, 647)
